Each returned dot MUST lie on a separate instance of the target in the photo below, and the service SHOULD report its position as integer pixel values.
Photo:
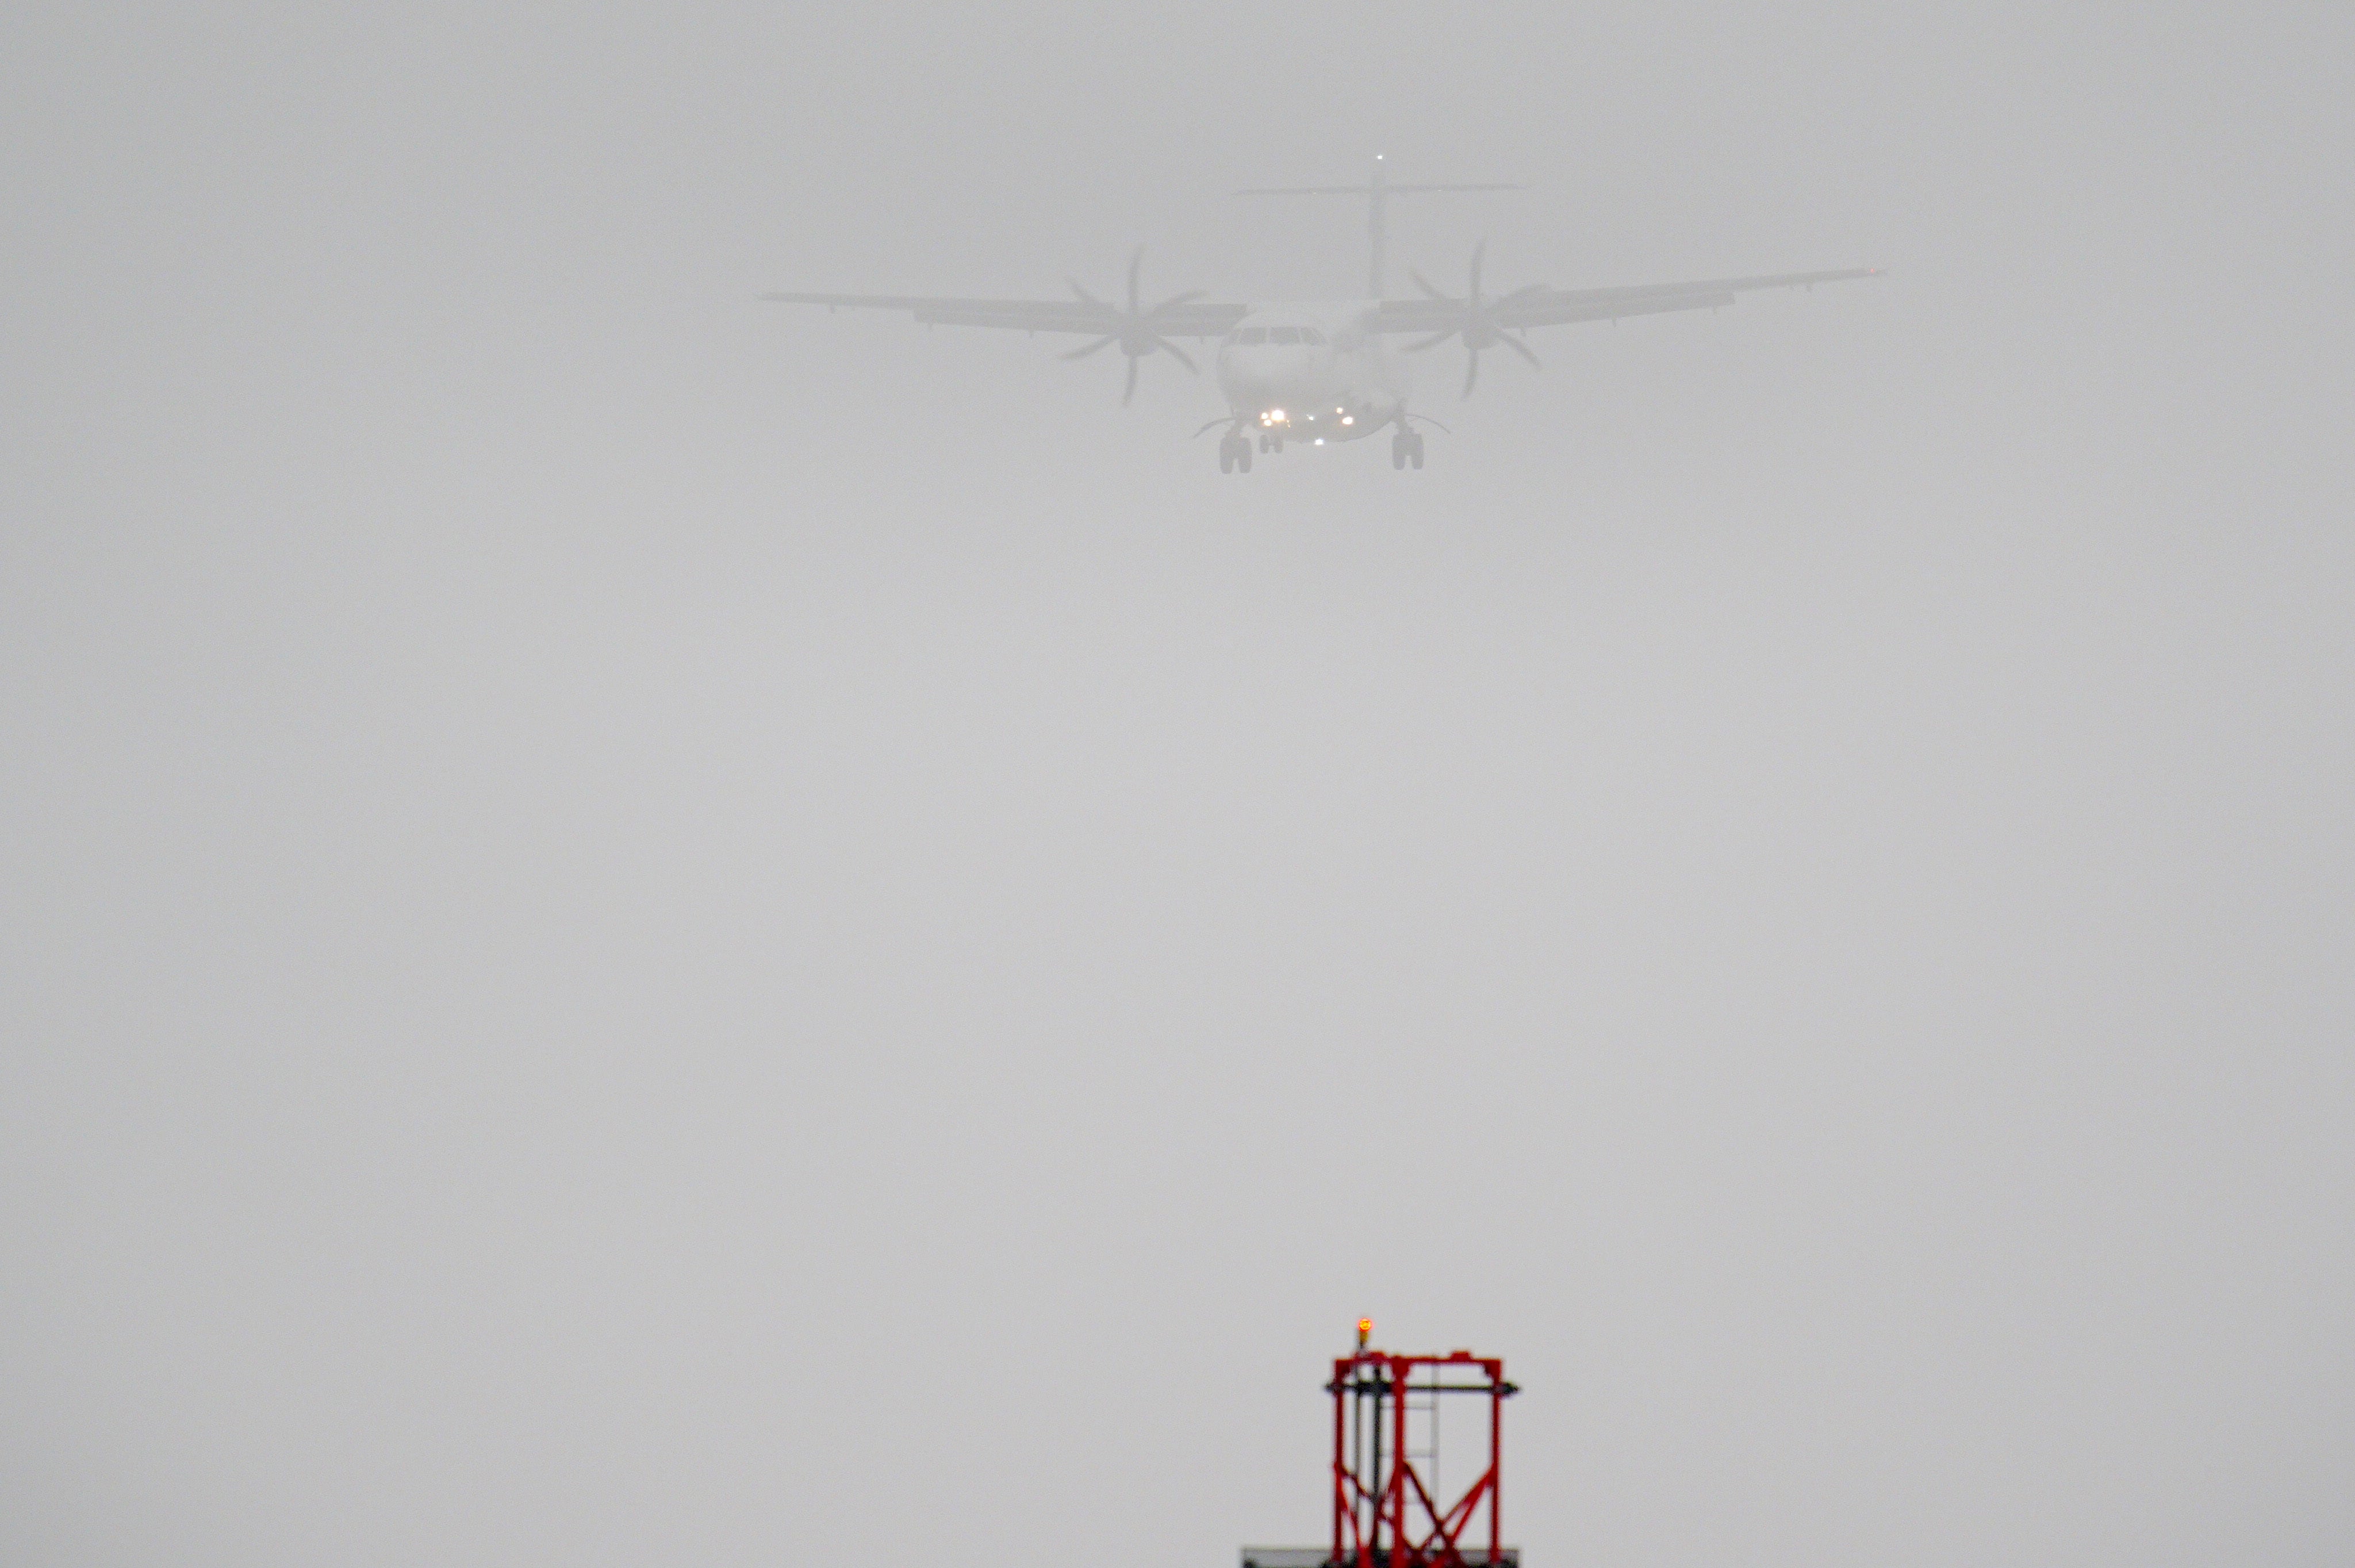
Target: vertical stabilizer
(1377, 190)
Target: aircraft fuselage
(1316, 372)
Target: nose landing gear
(1406, 447)
(1235, 452)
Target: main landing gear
(1406, 447)
(1235, 452)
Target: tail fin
(1377, 191)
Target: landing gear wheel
(1414, 452)
(1226, 456)
(1397, 452)
(1242, 457)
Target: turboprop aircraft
(1324, 372)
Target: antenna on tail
(1377, 190)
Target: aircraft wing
(1541, 306)
(1188, 318)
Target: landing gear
(1406, 447)
(1235, 452)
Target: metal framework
(1388, 1510)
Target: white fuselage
(1312, 373)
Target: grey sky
(642, 927)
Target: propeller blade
(1518, 346)
(1124, 397)
(1100, 343)
(1424, 284)
(1434, 341)
(1086, 298)
(1229, 419)
(1135, 260)
(1479, 254)
(1183, 357)
(1471, 374)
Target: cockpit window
(1283, 335)
(1252, 335)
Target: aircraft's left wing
(1541, 306)
(1180, 318)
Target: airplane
(1323, 371)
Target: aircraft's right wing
(1556, 307)
(1180, 318)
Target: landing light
(1348, 421)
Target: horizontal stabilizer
(1365, 190)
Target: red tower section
(1388, 1510)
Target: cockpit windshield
(1292, 334)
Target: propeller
(1135, 329)
(1477, 320)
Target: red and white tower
(1388, 1510)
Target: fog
(642, 927)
